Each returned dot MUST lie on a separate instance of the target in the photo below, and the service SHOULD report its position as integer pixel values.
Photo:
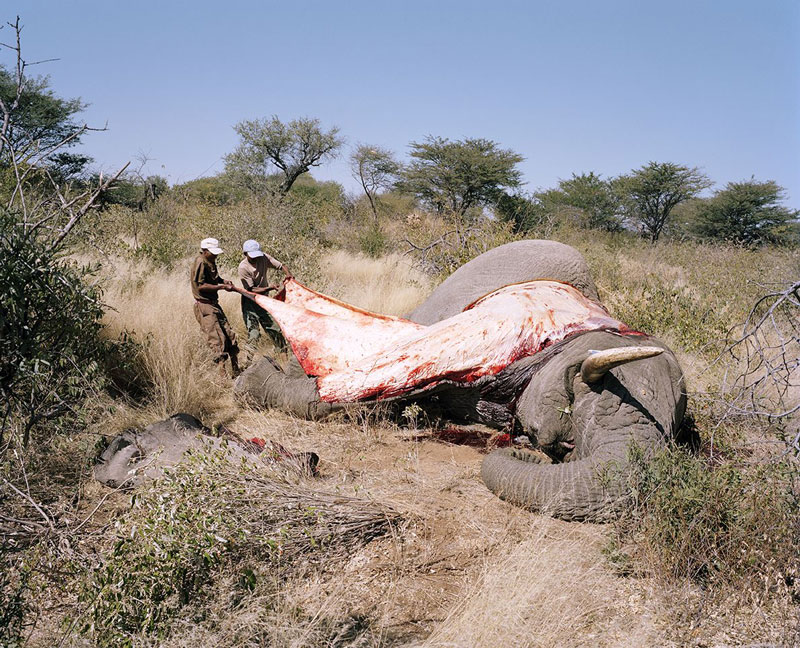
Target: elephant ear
(598, 363)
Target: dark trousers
(255, 318)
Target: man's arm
(207, 287)
(264, 290)
(204, 287)
(273, 262)
(248, 285)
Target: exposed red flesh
(358, 355)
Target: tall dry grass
(389, 285)
(154, 308)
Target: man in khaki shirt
(206, 283)
(253, 271)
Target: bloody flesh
(357, 355)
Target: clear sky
(574, 86)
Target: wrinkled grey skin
(586, 429)
(137, 455)
(640, 403)
(501, 266)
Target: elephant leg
(265, 384)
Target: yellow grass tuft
(387, 285)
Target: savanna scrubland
(705, 556)
(396, 541)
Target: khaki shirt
(204, 272)
(253, 272)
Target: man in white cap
(253, 271)
(206, 283)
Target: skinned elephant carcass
(516, 339)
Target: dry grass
(388, 285)
(467, 570)
(155, 308)
(551, 589)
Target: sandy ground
(468, 569)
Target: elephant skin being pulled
(517, 339)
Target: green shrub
(440, 248)
(293, 230)
(372, 241)
(726, 523)
(205, 518)
(49, 333)
(165, 553)
(657, 307)
(215, 190)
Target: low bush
(208, 517)
(49, 333)
(726, 523)
(372, 241)
(440, 246)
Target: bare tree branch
(77, 215)
(761, 363)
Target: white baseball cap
(211, 244)
(252, 248)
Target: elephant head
(139, 455)
(585, 408)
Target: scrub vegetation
(395, 541)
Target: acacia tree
(522, 211)
(454, 176)
(654, 190)
(597, 204)
(747, 212)
(376, 169)
(37, 126)
(268, 146)
(36, 120)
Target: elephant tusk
(599, 362)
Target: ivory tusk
(599, 362)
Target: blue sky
(574, 86)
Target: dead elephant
(516, 339)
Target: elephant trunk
(584, 489)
